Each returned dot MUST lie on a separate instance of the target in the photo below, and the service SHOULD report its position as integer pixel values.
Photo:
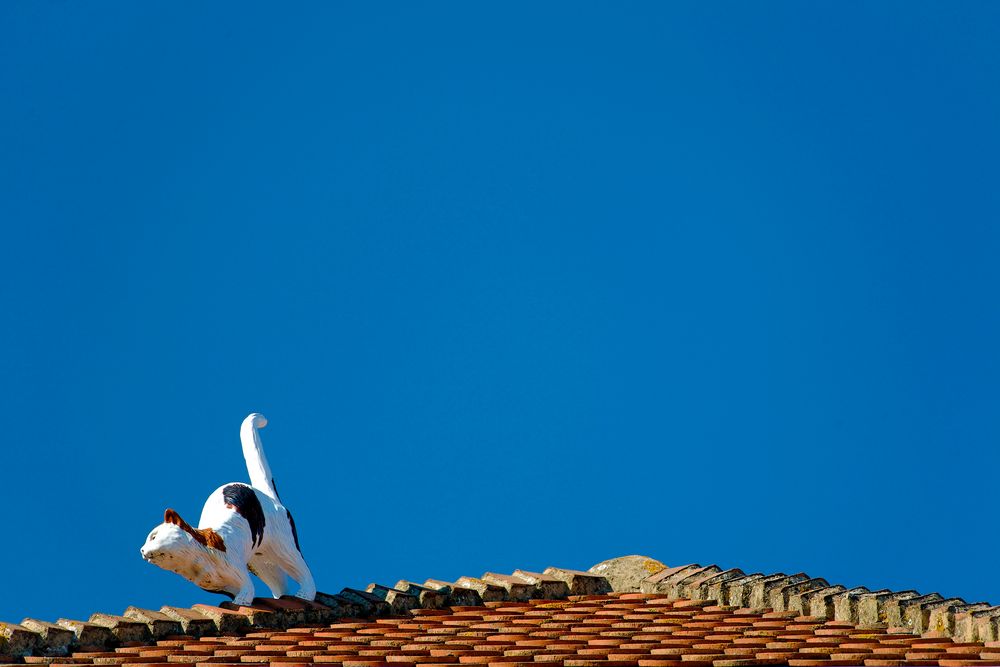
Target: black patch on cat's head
(243, 499)
(295, 533)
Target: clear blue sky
(517, 285)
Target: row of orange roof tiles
(136, 626)
(950, 624)
(908, 611)
(616, 630)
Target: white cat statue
(243, 528)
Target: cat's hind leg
(295, 565)
(271, 574)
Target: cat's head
(175, 543)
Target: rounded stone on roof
(625, 573)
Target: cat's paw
(306, 595)
(243, 600)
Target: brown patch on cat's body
(203, 536)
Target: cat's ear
(173, 517)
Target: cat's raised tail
(253, 452)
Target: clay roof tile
(611, 616)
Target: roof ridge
(628, 576)
(906, 611)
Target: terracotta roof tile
(686, 615)
(52, 640)
(87, 634)
(517, 589)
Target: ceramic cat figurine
(243, 528)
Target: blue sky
(517, 285)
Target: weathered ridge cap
(626, 573)
(782, 595)
(33, 638)
(902, 611)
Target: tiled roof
(628, 612)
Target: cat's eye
(152, 536)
